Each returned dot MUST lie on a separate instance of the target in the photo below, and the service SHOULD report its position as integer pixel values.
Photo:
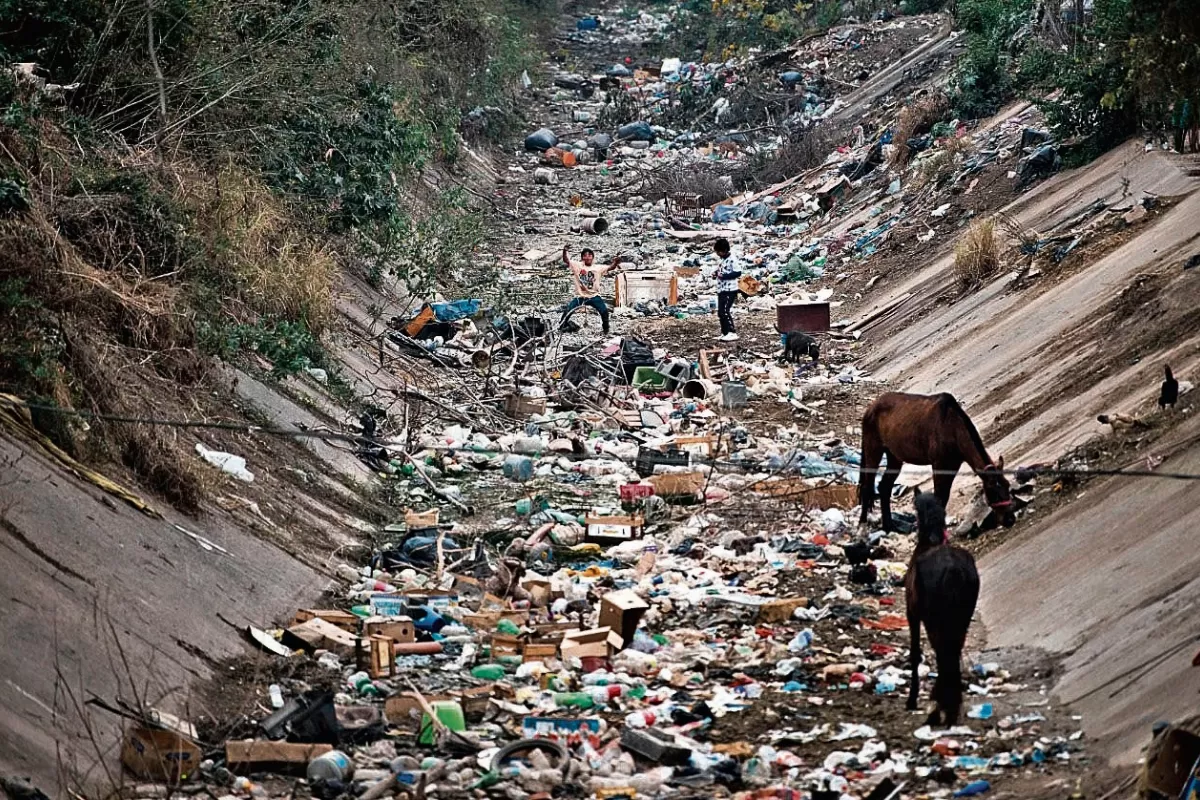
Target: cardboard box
(539, 591)
(503, 645)
(616, 528)
(381, 661)
(677, 484)
(821, 497)
(700, 445)
(474, 702)
(539, 651)
(781, 610)
(417, 520)
(632, 287)
(159, 754)
(520, 406)
(396, 604)
(593, 643)
(317, 634)
(487, 620)
(256, 752)
(622, 611)
(343, 619)
(398, 628)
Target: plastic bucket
(699, 389)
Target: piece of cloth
(725, 309)
(587, 279)
(727, 275)
(594, 302)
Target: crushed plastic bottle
(974, 788)
(801, 641)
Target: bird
(1170, 390)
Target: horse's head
(931, 520)
(995, 489)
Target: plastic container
(449, 713)
(649, 457)
(581, 700)
(649, 378)
(518, 468)
(733, 394)
(332, 766)
(361, 683)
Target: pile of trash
(639, 643)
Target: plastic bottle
(332, 766)
(641, 719)
(488, 672)
(981, 711)
(581, 700)
(276, 695)
(974, 788)
(801, 642)
(361, 682)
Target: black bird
(1170, 391)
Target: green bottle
(581, 700)
(488, 672)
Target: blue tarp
(455, 310)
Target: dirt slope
(78, 567)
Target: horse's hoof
(934, 718)
(911, 704)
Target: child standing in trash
(727, 289)
(586, 275)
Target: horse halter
(999, 504)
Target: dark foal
(940, 590)
(931, 430)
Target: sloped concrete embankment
(1108, 582)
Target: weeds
(977, 254)
(916, 119)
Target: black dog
(797, 346)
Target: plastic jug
(332, 766)
(449, 713)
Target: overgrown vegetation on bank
(186, 179)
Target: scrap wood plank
(251, 751)
(879, 311)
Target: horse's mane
(951, 405)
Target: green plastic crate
(649, 378)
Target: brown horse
(940, 589)
(930, 430)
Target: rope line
(742, 464)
